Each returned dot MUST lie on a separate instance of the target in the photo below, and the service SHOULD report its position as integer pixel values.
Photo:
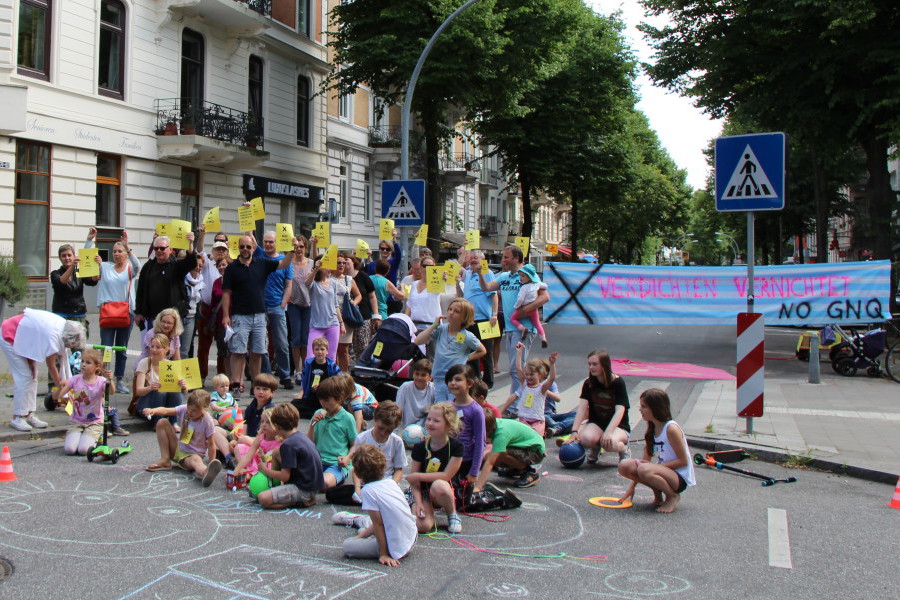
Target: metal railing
(384, 136)
(489, 224)
(263, 7)
(460, 161)
(176, 116)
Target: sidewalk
(844, 424)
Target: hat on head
(529, 270)
(220, 245)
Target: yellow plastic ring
(610, 502)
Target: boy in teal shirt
(333, 431)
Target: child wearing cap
(531, 285)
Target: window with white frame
(345, 102)
(344, 200)
(368, 196)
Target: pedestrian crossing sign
(403, 201)
(751, 172)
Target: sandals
(157, 467)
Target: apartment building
(122, 113)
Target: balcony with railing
(208, 133)
(490, 178)
(489, 224)
(237, 17)
(459, 168)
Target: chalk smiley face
(103, 524)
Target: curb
(815, 463)
(49, 432)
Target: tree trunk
(882, 202)
(573, 234)
(527, 217)
(434, 196)
(821, 208)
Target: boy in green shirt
(515, 445)
(333, 431)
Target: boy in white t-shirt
(388, 532)
(415, 397)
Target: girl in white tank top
(666, 467)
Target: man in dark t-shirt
(244, 309)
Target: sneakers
(287, 383)
(349, 519)
(561, 441)
(212, 471)
(298, 378)
(20, 424)
(528, 479)
(544, 343)
(454, 523)
(35, 422)
(490, 487)
(119, 431)
(508, 473)
(121, 388)
(626, 454)
(591, 455)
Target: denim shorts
(249, 332)
(340, 473)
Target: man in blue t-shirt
(277, 294)
(508, 284)
(485, 304)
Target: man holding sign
(486, 303)
(277, 295)
(161, 283)
(508, 283)
(244, 308)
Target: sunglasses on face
(385, 249)
(158, 248)
(245, 247)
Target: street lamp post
(732, 243)
(687, 237)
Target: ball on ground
(571, 456)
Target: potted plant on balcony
(13, 283)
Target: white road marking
(779, 541)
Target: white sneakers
(349, 519)
(27, 423)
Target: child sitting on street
(360, 402)
(415, 397)
(387, 417)
(262, 448)
(530, 398)
(315, 371)
(264, 387)
(479, 394)
(389, 531)
(197, 435)
(333, 431)
(300, 470)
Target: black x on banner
(572, 294)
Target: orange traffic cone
(894, 503)
(7, 474)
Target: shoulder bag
(349, 311)
(114, 315)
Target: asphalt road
(73, 529)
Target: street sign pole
(751, 292)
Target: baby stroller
(859, 352)
(382, 365)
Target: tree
(823, 70)
(495, 53)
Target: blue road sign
(751, 172)
(403, 201)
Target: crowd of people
(353, 449)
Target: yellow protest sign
(524, 244)
(246, 222)
(473, 239)
(211, 219)
(487, 332)
(284, 237)
(163, 229)
(169, 374)
(434, 278)
(386, 230)
(107, 354)
(178, 232)
(88, 267)
(453, 268)
(422, 236)
(362, 248)
(329, 260)
(234, 246)
(485, 267)
(190, 372)
(553, 249)
(259, 211)
(322, 233)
